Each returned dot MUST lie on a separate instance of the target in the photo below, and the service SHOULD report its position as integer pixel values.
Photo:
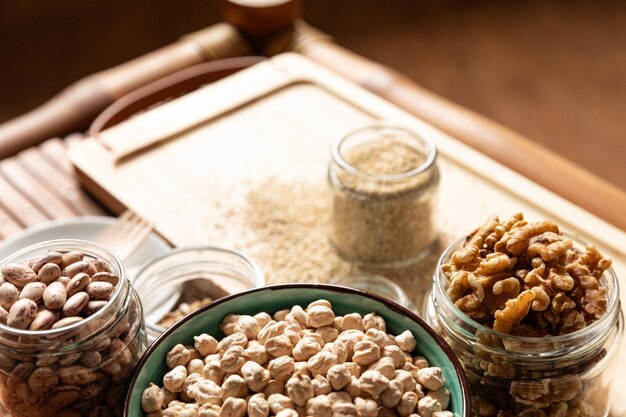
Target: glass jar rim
(608, 316)
(347, 281)
(60, 243)
(256, 270)
(427, 141)
(145, 278)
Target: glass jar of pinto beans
(525, 354)
(71, 331)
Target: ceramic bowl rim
(441, 343)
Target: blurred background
(554, 71)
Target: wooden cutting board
(190, 165)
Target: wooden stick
(76, 106)
(498, 142)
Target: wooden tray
(192, 165)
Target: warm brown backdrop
(554, 71)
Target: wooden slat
(59, 181)
(8, 224)
(54, 151)
(19, 207)
(36, 192)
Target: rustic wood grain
(60, 182)
(16, 205)
(8, 224)
(39, 194)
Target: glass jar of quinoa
(384, 181)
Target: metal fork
(125, 235)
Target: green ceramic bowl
(151, 367)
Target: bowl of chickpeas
(295, 350)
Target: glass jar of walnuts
(534, 316)
(71, 331)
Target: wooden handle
(498, 142)
(75, 107)
(260, 19)
(168, 88)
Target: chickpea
(395, 353)
(281, 314)
(431, 378)
(228, 324)
(373, 382)
(298, 316)
(299, 388)
(209, 410)
(213, 371)
(258, 406)
(270, 330)
(338, 376)
(406, 341)
(374, 321)
(321, 386)
(339, 397)
(247, 325)
(427, 406)
(328, 334)
(305, 348)
(234, 386)
(281, 368)
(317, 337)
(377, 336)
(407, 380)
(344, 409)
(352, 321)
(233, 359)
(255, 376)
(256, 352)
(206, 391)
(262, 319)
(195, 366)
(235, 339)
(442, 395)
(385, 366)
(365, 352)
(366, 407)
(407, 404)
(178, 355)
(341, 350)
(420, 362)
(354, 389)
(152, 398)
(274, 387)
(319, 406)
(392, 395)
(287, 413)
(320, 316)
(321, 302)
(205, 344)
(279, 402)
(174, 379)
(278, 346)
(321, 362)
(234, 407)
